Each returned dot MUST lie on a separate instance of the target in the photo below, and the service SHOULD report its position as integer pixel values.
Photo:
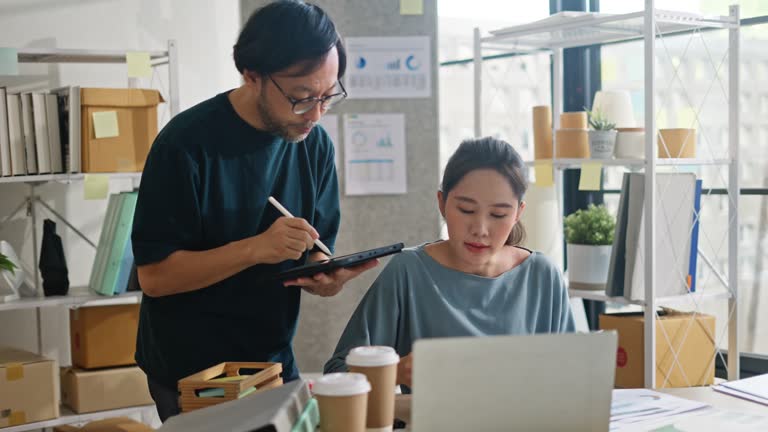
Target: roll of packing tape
(14, 371)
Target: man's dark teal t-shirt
(206, 184)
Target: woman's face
(480, 212)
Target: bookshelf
(69, 417)
(650, 26)
(65, 178)
(79, 296)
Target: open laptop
(547, 382)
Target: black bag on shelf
(53, 265)
(133, 280)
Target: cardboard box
(692, 340)
(105, 389)
(103, 336)
(28, 388)
(117, 424)
(136, 111)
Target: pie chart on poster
(411, 63)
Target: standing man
(205, 238)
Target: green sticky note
(138, 64)
(411, 7)
(211, 392)
(544, 176)
(105, 124)
(590, 176)
(96, 186)
(9, 61)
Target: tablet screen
(350, 260)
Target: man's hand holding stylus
(287, 239)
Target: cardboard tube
(573, 120)
(542, 132)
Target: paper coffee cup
(343, 400)
(379, 365)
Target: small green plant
(6, 264)
(598, 121)
(593, 226)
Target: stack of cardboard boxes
(104, 375)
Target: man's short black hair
(285, 33)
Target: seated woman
(478, 282)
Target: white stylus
(286, 213)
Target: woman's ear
(441, 203)
(520, 211)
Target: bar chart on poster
(374, 154)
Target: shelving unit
(69, 417)
(662, 301)
(65, 178)
(79, 297)
(564, 163)
(578, 29)
(75, 299)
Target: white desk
(703, 394)
(717, 400)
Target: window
(511, 85)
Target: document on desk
(754, 388)
(636, 407)
(707, 419)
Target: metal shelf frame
(569, 30)
(78, 298)
(69, 417)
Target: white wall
(205, 32)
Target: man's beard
(275, 127)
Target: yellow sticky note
(411, 7)
(138, 64)
(590, 176)
(9, 61)
(609, 69)
(105, 124)
(96, 186)
(543, 174)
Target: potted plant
(589, 237)
(602, 136)
(6, 264)
(9, 280)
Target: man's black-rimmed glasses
(303, 106)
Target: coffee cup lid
(372, 356)
(341, 384)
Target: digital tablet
(350, 260)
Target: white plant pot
(588, 266)
(630, 145)
(601, 143)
